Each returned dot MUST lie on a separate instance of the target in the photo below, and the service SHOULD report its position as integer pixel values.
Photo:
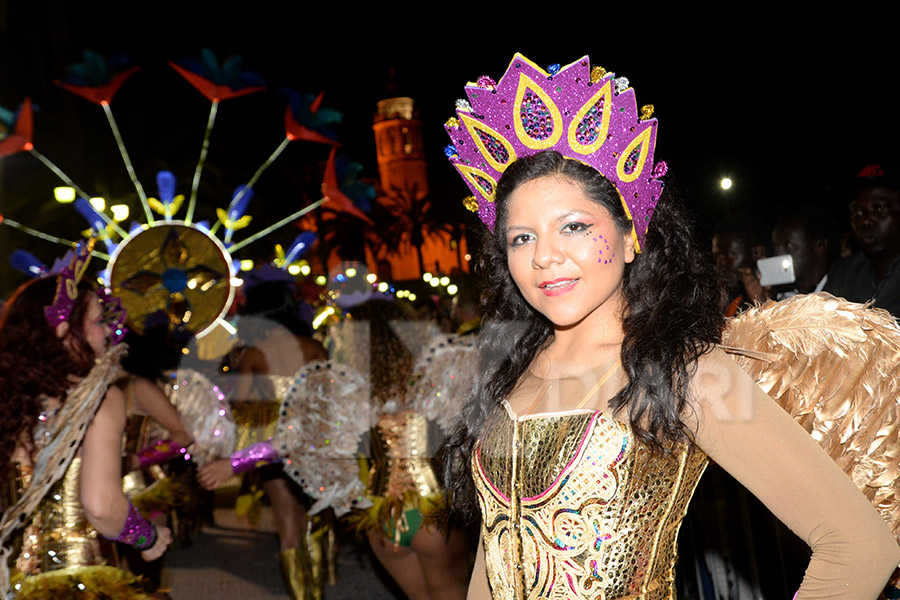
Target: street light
(726, 183)
(64, 194)
(120, 212)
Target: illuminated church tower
(401, 151)
(424, 245)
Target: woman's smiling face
(565, 252)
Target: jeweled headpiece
(585, 114)
(67, 285)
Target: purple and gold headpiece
(585, 114)
(67, 294)
(67, 286)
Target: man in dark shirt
(810, 236)
(874, 272)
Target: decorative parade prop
(168, 264)
(584, 113)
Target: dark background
(789, 106)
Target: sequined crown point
(67, 285)
(585, 114)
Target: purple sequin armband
(137, 531)
(253, 456)
(159, 452)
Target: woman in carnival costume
(383, 340)
(62, 436)
(601, 393)
(277, 344)
(392, 385)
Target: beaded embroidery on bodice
(575, 506)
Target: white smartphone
(776, 270)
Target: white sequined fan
(206, 413)
(443, 374)
(323, 419)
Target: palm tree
(414, 220)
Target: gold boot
(296, 569)
(320, 538)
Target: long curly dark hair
(672, 318)
(34, 362)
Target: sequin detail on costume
(588, 128)
(575, 507)
(535, 117)
(494, 146)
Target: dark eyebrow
(570, 214)
(512, 228)
(559, 219)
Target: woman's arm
(105, 506)
(758, 443)
(252, 362)
(153, 401)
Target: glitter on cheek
(604, 242)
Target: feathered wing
(205, 412)
(324, 416)
(443, 376)
(835, 367)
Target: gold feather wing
(835, 367)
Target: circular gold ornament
(452, 122)
(471, 203)
(646, 111)
(597, 73)
(174, 269)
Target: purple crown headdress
(67, 294)
(585, 114)
(67, 286)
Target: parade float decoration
(171, 262)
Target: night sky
(790, 108)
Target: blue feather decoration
(299, 246)
(27, 263)
(360, 192)
(229, 73)
(165, 183)
(239, 202)
(97, 222)
(319, 121)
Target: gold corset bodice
(59, 535)
(575, 506)
(401, 463)
(256, 417)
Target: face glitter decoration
(604, 243)
(553, 235)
